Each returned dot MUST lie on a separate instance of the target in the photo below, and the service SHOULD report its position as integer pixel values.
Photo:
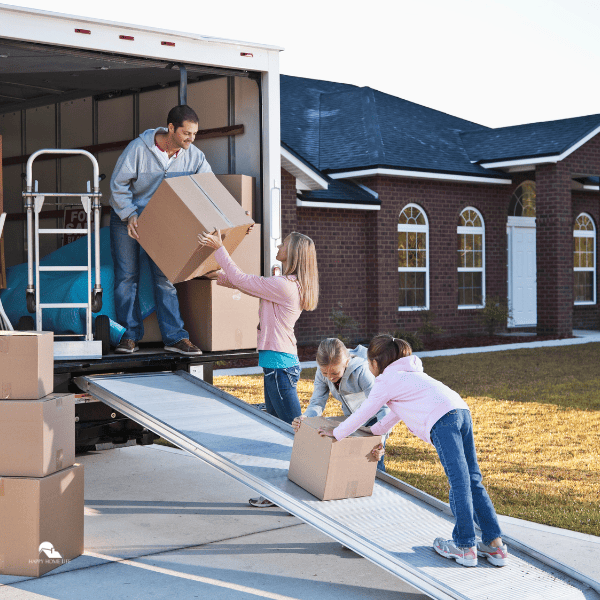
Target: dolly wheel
(25, 324)
(102, 332)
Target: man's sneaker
(184, 347)
(126, 345)
(497, 556)
(463, 556)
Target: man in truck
(155, 155)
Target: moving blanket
(72, 287)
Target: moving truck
(73, 82)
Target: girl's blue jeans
(281, 396)
(126, 253)
(453, 439)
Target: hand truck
(34, 201)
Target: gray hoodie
(357, 379)
(138, 173)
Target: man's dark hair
(179, 114)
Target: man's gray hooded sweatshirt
(357, 379)
(139, 172)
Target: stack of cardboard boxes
(217, 318)
(41, 487)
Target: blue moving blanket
(72, 287)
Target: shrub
(415, 341)
(428, 327)
(495, 314)
(344, 325)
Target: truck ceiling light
(87, 31)
(126, 37)
(167, 43)
(247, 54)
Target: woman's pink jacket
(279, 307)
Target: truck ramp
(394, 528)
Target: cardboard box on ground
(180, 209)
(37, 437)
(332, 470)
(41, 520)
(26, 364)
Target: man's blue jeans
(126, 254)
(281, 396)
(453, 439)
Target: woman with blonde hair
(282, 300)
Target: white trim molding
(418, 175)
(302, 172)
(542, 160)
(309, 204)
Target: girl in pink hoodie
(439, 416)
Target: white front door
(522, 287)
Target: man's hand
(211, 240)
(132, 227)
(251, 226)
(378, 452)
(296, 423)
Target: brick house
(412, 208)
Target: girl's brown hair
(302, 262)
(385, 349)
(331, 351)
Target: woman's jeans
(281, 396)
(452, 437)
(126, 254)
(380, 464)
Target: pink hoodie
(412, 396)
(279, 307)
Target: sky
(494, 62)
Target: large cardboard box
(26, 364)
(332, 470)
(41, 520)
(219, 318)
(180, 209)
(241, 187)
(37, 437)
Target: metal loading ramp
(394, 528)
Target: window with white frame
(584, 260)
(413, 263)
(471, 259)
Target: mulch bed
(308, 353)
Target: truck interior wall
(71, 125)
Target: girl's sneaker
(463, 556)
(497, 556)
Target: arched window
(584, 260)
(471, 259)
(413, 263)
(522, 203)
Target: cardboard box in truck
(181, 208)
(26, 364)
(332, 470)
(221, 318)
(241, 187)
(37, 437)
(41, 520)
